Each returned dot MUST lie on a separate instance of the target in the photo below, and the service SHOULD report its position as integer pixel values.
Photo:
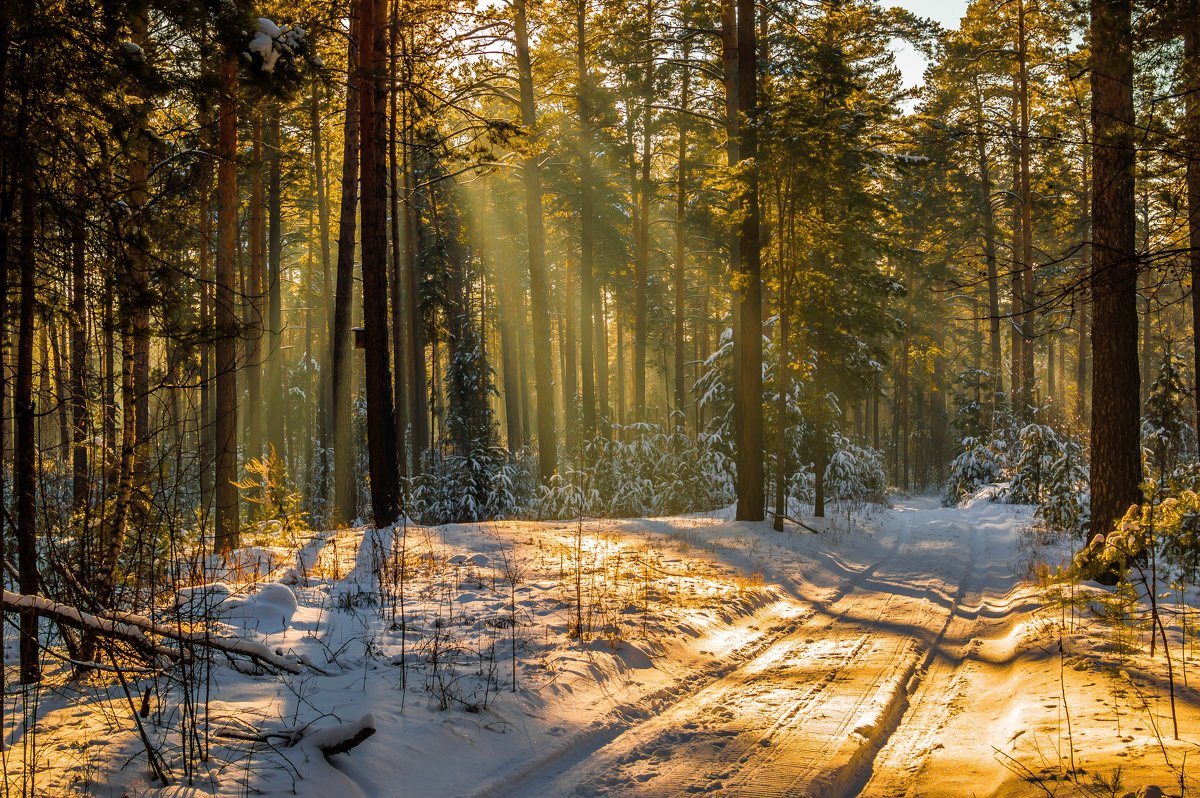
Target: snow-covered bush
(1166, 434)
(1066, 500)
(981, 462)
(1037, 449)
(1049, 471)
(488, 484)
(641, 470)
(854, 476)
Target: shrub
(854, 475)
(489, 483)
(981, 462)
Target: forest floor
(908, 652)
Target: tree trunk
(204, 429)
(24, 474)
(1028, 393)
(1191, 72)
(748, 410)
(325, 433)
(535, 232)
(820, 461)
(587, 231)
(399, 243)
(641, 267)
(345, 492)
(989, 252)
(570, 371)
(1116, 462)
(255, 290)
(79, 420)
(276, 390)
(381, 421)
(509, 358)
(782, 464)
(139, 264)
(228, 522)
(681, 236)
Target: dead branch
(145, 635)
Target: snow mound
(267, 611)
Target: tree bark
(324, 434)
(228, 522)
(24, 473)
(641, 267)
(748, 410)
(398, 243)
(989, 250)
(1116, 463)
(681, 199)
(276, 390)
(345, 493)
(255, 290)
(381, 421)
(587, 229)
(1028, 392)
(539, 301)
(79, 420)
(1191, 72)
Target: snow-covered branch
(145, 634)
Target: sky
(947, 12)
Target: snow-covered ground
(905, 653)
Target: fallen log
(329, 741)
(145, 635)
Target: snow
(904, 652)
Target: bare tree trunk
(139, 266)
(205, 440)
(345, 493)
(228, 522)
(681, 197)
(24, 474)
(782, 464)
(396, 275)
(989, 251)
(325, 433)
(538, 299)
(255, 290)
(587, 232)
(1116, 462)
(1191, 72)
(1028, 392)
(641, 265)
(570, 371)
(381, 420)
(418, 373)
(748, 410)
(79, 421)
(277, 404)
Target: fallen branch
(330, 741)
(798, 523)
(144, 634)
(340, 739)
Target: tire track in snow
(806, 715)
(937, 693)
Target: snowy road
(810, 714)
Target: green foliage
(278, 508)
(489, 483)
(1166, 433)
(648, 471)
(982, 461)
